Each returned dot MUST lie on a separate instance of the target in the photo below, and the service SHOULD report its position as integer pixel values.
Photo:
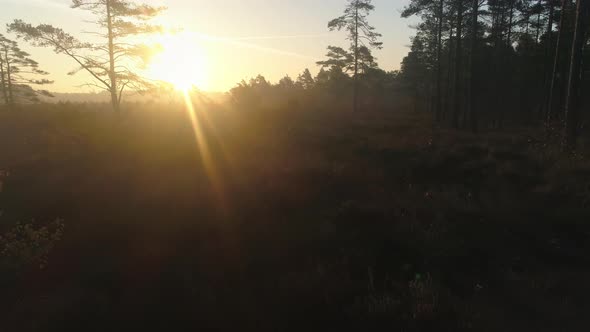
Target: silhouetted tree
(432, 8)
(474, 114)
(572, 103)
(305, 80)
(340, 58)
(18, 71)
(3, 78)
(251, 93)
(548, 52)
(361, 35)
(416, 70)
(515, 64)
(551, 111)
(458, 100)
(286, 82)
(110, 62)
(440, 14)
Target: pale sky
(270, 37)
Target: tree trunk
(547, 77)
(457, 105)
(473, 107)
(506, 63)
(538, 23)
(551, 112)
(449, 95)
(112, 70)
(356, 60)
(500, 70)
(510, 21)
(573, 95)
(438, 106)
(9, 80)
(3, 81)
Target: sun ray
(204, 151)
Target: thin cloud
(274, 37)
(63, 4)
(268, 49)
(239, 42)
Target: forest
(450, 194)
(483, 63)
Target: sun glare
(181, 62)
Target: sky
(237, 39)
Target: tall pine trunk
(438, 105)
(458, 103)
(548, 55)
(506, 63)
(9, 80)
(539, 22)
(356, 61)
(551, 112)
(112, 70)
(449, 95)
(473, 107)
(3, 81)
(573, 96)
(510, 23)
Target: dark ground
(289, 220)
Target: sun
(181, 61)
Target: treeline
(349, 76)
(330, 86)
(474, 63)
(483, 63)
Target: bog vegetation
(451, 195)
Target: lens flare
(181, 61)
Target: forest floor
(288, 220)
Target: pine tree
(305, 80)
(474, 114)
(18, 71)
(108, 62)
(361, 35)
(458, 101)
(432, 8)
(551, 111)
(573, 96)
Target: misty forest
(449, 194)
